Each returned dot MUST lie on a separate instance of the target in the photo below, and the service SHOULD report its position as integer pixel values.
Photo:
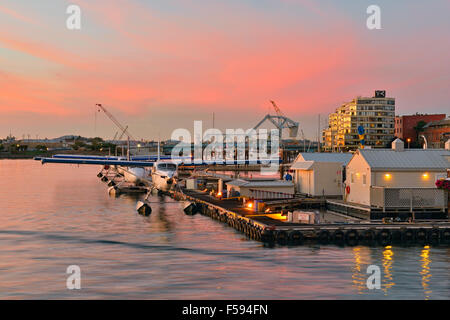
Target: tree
(78, 144)
(2, 147)
(419, 128)
(40, 147)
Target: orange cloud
(217, 56)
(17, 15)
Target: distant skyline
(160, 65)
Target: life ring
(267, 235)
(295, 237)
(369, 235)
(351, 235)
(347, 188)
(282, 237)
(324, 236)
(384, 237)
(445, 236)
(338, 236)
(422, 235)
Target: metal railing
(262, 195)
(383, 197)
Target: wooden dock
(351, 231)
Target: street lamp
(409, 141)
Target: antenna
(318, 135)
(159, 145)
(128, 149)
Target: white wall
(304, 181)
(405, 179)
(322, 178)
(327, 178)
(359, 189)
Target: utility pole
(304, 141)
(128, 148)
(159, 146)
(318, 135)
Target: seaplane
(155, 172)
(149, 173)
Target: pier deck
(334, 227)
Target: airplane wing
(97, 162)
(227, 162)
(137, 158)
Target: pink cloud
(227, 58)
(16, 15)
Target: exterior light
(387, 176)
(219, 194)
(408, 140)
(250, 205)
(139, 145)
(425, 176)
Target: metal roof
(266, 183)
(302, 165)
(438, 123)
(325, 157)
(407, 159)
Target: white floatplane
(162, 175)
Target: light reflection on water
(54, 216)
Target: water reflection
(358, 277)
(425, 272)
(388, 260)
(70, 219)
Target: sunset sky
(159, 65)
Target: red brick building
(437, 133)
(404, 125)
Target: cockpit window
(171, 166)
(167, 166)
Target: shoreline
(31, 155)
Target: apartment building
(374, 114)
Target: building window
(352, 177)
(364, 179)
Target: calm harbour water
(54, 216)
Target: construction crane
(123, 132)
(280, 121)
(123, 129)
(120, 137)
